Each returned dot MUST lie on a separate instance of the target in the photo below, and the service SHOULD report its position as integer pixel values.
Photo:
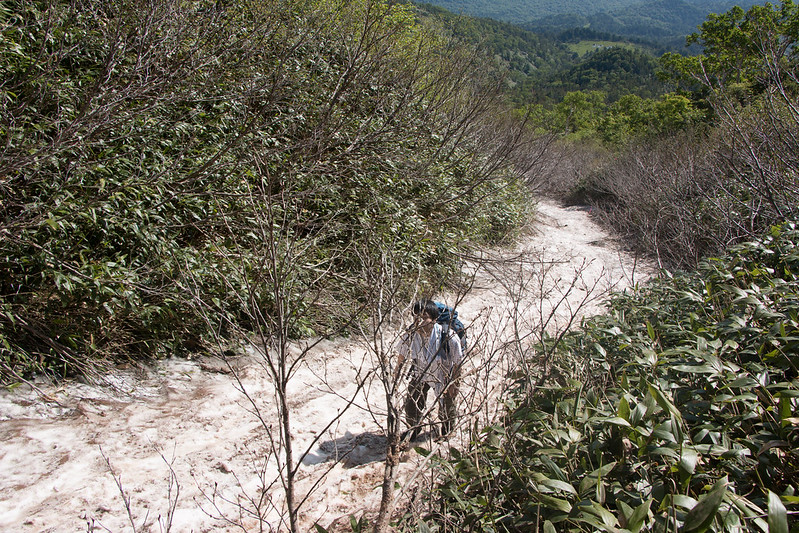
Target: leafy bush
(157, 155)
(677, 410)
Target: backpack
(448, 318)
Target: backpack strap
(443, 345)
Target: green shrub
(173, 172)
(675, 410)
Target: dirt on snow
(178, 446)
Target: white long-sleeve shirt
(428, 365)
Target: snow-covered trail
(183, 434)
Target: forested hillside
(666, 22)
(542, 68)
(522, 51)
(522, 12)
(614, 70)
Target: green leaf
(694, 369)
(623, 410)
(553, 468)
(786, 410)
(704, 512)
(598, 525)
(608, 518)
(688, 460)
(664, 402)
(615, 420)
(592, 479)
(625, 511)
(664, 451)
(750, 511)
(557, 504)
(650, 331)
(636, 521)
(682, 501)
(556, 484)
(424, 452)
(777, 514)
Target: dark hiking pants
(415, 407)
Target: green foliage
(358, 525)
(526, 59)
(523, 12)
(635, 117)
(742, 50)
(542, 68)
(663, 21)
(174, 171)
(524, 50)
(582, 48)
(579, 113)
(588, 115)
(711, 165)
(677, 410)
(617, 71)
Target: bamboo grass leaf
(704, 512)
(777, 514)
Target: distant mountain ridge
(659, 20)
(542, 67)
(663, 21)
(526, 11)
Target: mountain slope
(541, 68)
(526, 11)
(662, 20)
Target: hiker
(435, 357)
